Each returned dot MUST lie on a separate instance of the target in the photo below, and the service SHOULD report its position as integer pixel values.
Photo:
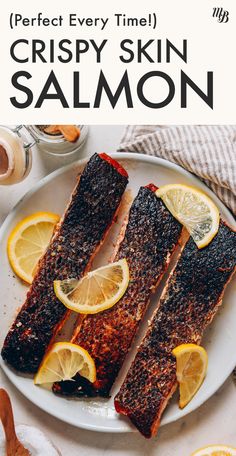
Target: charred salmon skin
(76, 240)
(188, 304)
(151, 236)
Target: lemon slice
(195, 210)
(28, 241)
(191, 367)
(63, 362)
(97, 291)
(216, 450)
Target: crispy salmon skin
(77, 238)
(191, 299)
(151, 236)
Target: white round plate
(51, 194)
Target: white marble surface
(213, 422)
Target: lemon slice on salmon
(216, 450)
(97, 291)
(191, 368)
(63, 362)
(195, 210)
(28, 242)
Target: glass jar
(15, 149)
(15, 156)
(57, 144)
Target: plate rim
(125, 427)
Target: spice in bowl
(60, 140)
(15, 157)
(70, 132)
(4, 161)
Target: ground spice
(4, 162)
(44, 128)
(70, 132)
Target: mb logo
(221, 14)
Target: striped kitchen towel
(209, 151)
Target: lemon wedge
(191, 368)
(28, 242)
(63, 362)
(216, 450)
(195, 210)
(97, 291)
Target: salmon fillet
(76, 240)
(151, 236)
(188, 304)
